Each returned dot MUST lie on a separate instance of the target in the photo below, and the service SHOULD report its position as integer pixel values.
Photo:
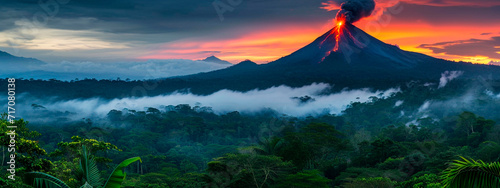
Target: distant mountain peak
(3, 54)
(6, 58)
(8, 55)
(214, 59)
(246, 63)
(13, 64)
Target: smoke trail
(353, 10)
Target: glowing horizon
(437, 40)
(450, 29)
(268, 45)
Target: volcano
(346, 45)
(345, 56)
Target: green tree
(423, 181)
(376, 182)
(187, 166)
(246, 170)
(157, 180)
(471, 129)
(29, 156)
(304, 179)
(72, 149)
(378, 151)
(313, 143)
(270, 146)
(488, 151)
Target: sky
(235, 30)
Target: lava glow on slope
(337, 32)
(340, 22)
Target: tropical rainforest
(378, 143)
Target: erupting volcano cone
(345, 56)
(349, 45)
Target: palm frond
(88, 167)
(118, 175)
(269, 146)
(470, 173)
(43, 180)
(86, 185)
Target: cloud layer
(448, 76)
(473, 47)
(282, 99)
(150, 69)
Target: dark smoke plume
(353, 10)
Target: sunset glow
(267, 45)
(456, 30)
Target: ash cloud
(354, 10)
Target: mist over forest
(393, 137)
(308, 94)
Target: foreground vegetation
(372, 144)
(185, 148)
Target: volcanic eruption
(346, 46)
(354, 10)
(345, 55)
(350, 12)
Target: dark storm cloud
(194, 17)
(163, 16)
(146, 25)
(448, 3)
(473, 47)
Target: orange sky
(410, 36)
(407, 25)
(271, 43)
(262, 31)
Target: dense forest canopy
(405, 140)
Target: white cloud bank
(280, 99)
(150, 69)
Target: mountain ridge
(347, 52)
(368, 67)
(213, 59)
(7, 57)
